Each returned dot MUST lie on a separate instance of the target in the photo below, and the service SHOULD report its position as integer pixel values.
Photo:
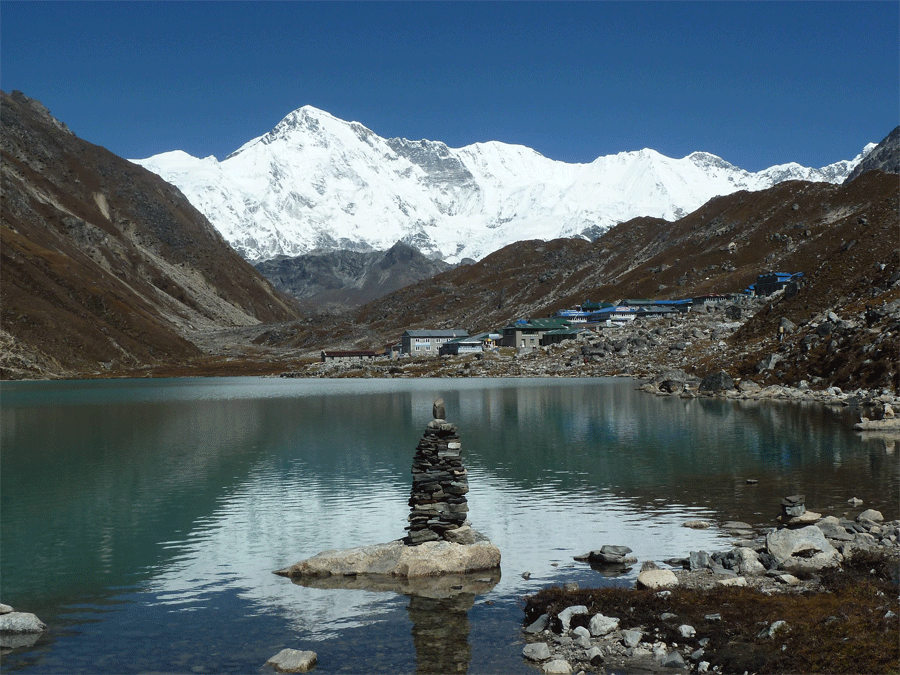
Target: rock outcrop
(396, 559)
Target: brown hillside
(721, 248)
(104, 265)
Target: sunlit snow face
(316, 181)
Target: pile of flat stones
(438, 497)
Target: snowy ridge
(317, 182)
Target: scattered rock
(773, 630)
(539, 625)
(397, 559)
(654, 579)
(601, 625)
(673, 660)
(870, 514)
(565, 616)
(698, 560)
(557, 667)
(582, 637)
(732, 581)
(536, 651)
(631, 638)
(594, 656)
(804, 549)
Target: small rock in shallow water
(5, 609)
(293, 661)
(557, 667)
(696, 524)
(539, 625)
(870, 514)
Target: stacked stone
(438, 497)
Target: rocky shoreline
(719, 612)
(666, 356)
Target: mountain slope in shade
(318, 182)
(334, 281)
(105, 265)
(884, 157)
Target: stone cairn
(438, 497)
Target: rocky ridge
(338, 281)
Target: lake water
(142, 519)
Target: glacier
(316, 182)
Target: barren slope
(104, 265)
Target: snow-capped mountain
(318, 182)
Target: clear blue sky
(755, 83)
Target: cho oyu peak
(318, 182)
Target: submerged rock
(293, 661)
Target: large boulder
(719, 381)
(802, 550)
(396, 559)
(20, 622)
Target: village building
(527, 333)
(428, 342)
(348, 355)
(710, 299)
(462, 345)
(769, 283)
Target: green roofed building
(527, 333)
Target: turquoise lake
(142, 519)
